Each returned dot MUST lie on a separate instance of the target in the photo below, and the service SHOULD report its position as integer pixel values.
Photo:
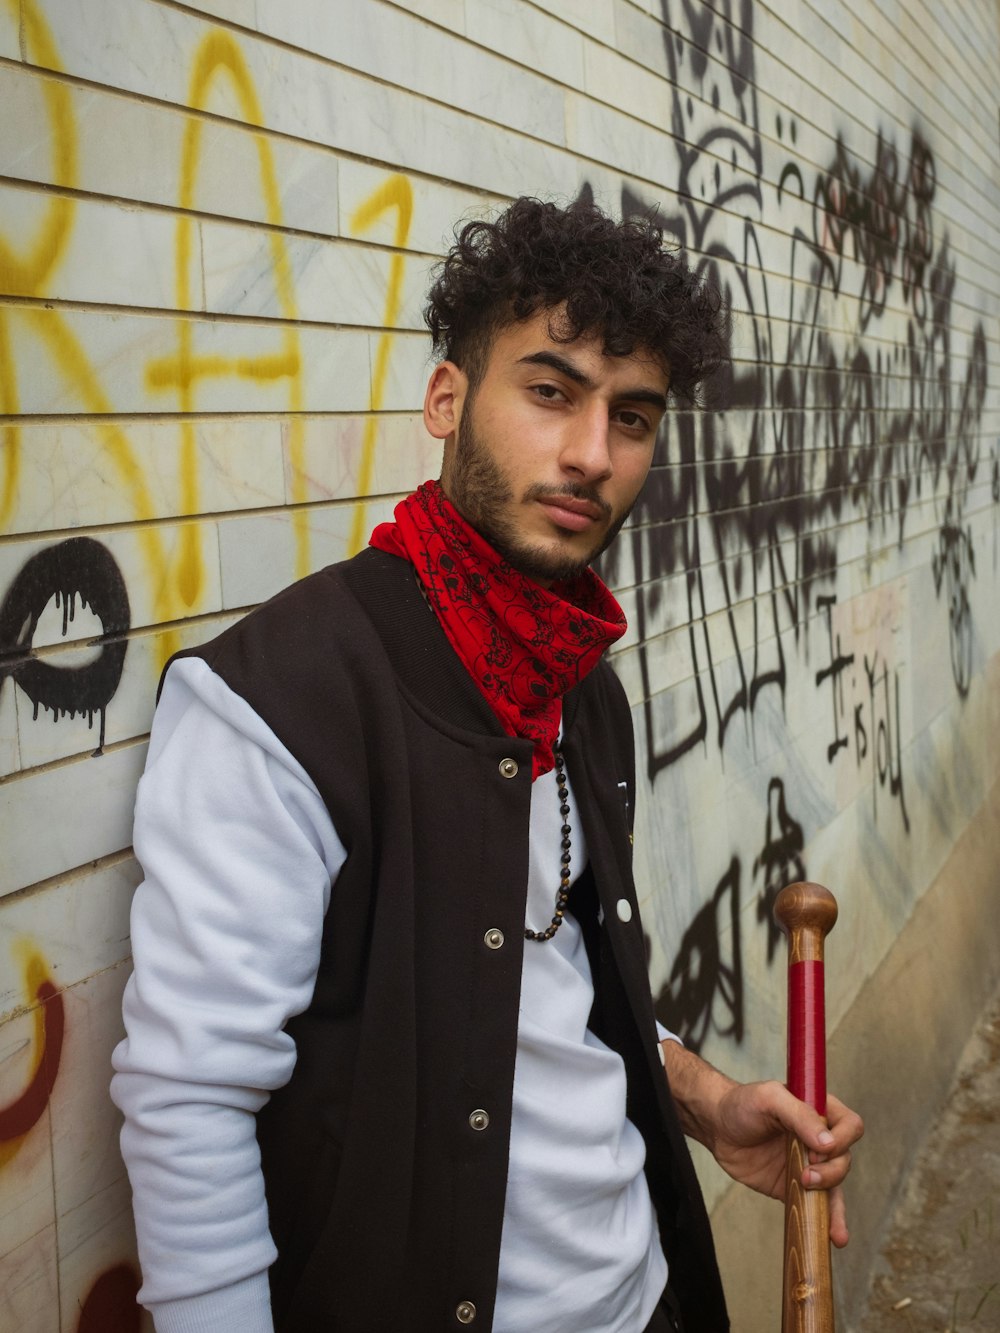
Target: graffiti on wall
(219, 57)
(821, 429)
(703, 992)
(28, 271)
(22, 1112)
(394, 195)
(780, 859)
(76, 572)
(864, 695)
(854, 398)
(82, 571)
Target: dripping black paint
(79, 571)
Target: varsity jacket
(385, 1203)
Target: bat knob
(805, 906)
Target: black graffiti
(705, 989)
(814, 428)
(873, 729)
(79, 571)
(954, 565)
(839, 662)
(883, 215)
(887, 759)
(780, 860)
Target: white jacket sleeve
(239, 854)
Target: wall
(216, 224)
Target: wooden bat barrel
(806, 913)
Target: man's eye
(633, 420)
(547, 391)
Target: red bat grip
(807, 1034)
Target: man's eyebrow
(557, 362)
(639, 395)
(574, 373)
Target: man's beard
(482, 495)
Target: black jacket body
(385, 1204)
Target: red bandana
(523, 645)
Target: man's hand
(744, 1126)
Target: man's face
(547, 456)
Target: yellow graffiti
(397, 193)
(20, 1115)
(9, 403)
(219, 56)
(71, 359)
(177, 576)
(29, 276)
(26, 275)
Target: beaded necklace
(562, 894)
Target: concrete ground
(939, 1271)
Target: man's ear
(443, 401)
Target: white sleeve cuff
(242, 1307)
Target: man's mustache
(571, 491)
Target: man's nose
(586, 449)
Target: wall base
(893, 1057)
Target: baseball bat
(806, 913)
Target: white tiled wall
(217, 222)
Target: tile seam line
(575, 155)
(150, 631)
(736, 512)
(12, 300)
(232, 418)
(209, 517)
(133, 205)
(172, 419)
(928, 476)
(212, 117)
(67, 761)
(15, 302)
(266, 37)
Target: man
(390, 1034)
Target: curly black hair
(614, 279)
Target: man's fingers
(808, 1126)
(838, 1219)
(846, 1125)
(824, 1138)
(825, 1174)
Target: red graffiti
(19, 1116)
(110, 1305)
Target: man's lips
(567, 512)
